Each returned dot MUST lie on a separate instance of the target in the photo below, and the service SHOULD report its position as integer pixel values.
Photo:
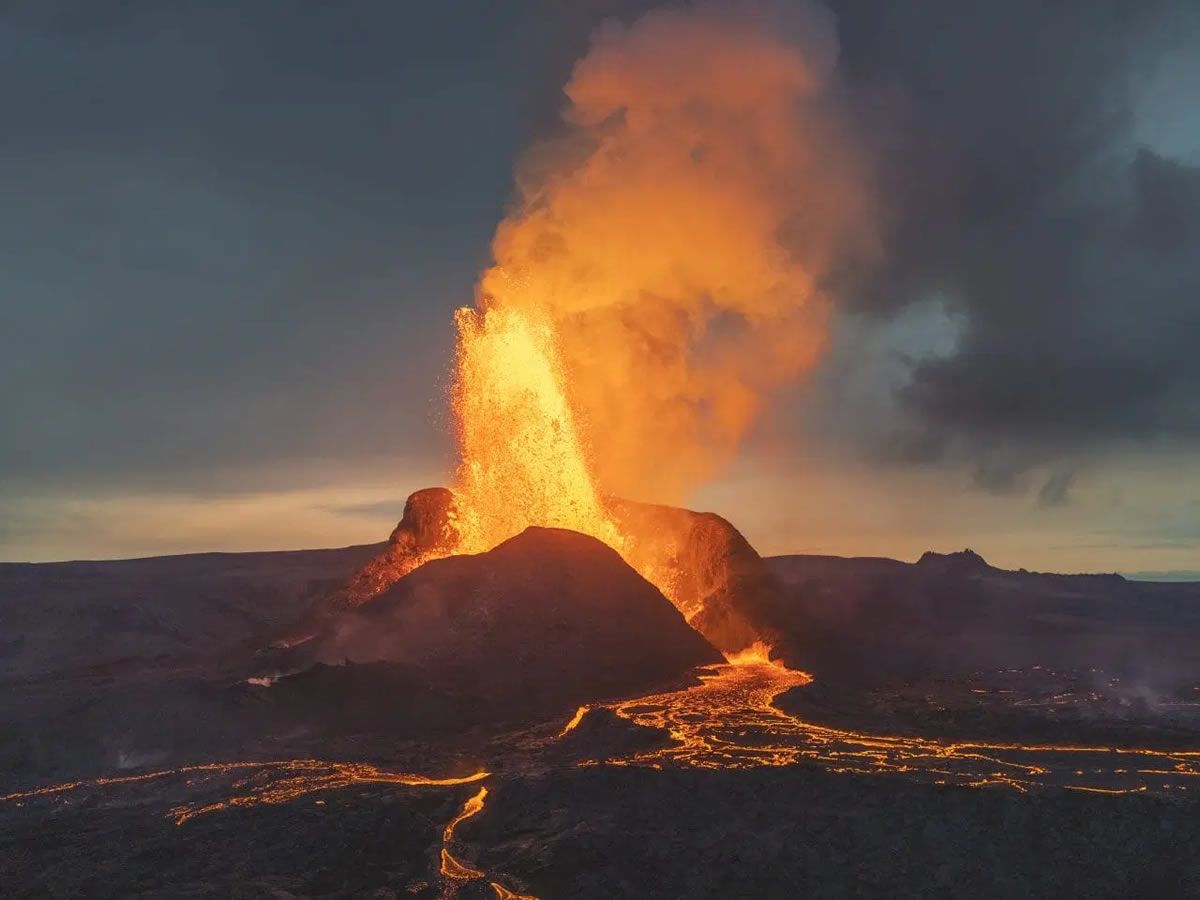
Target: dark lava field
(539, 721)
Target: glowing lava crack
(727, 721)
(271, 782)
(730, 721)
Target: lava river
(730, 721)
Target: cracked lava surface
(728, 720)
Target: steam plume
(681, 231)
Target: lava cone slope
(549, 617)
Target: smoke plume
(682, 230)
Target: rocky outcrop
(701, 563)
(425, 532)
(548, 617)
(713, 575)
(961, 563)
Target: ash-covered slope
(82, 616)
(545, 618)
(425, 531)
(717, 580)
(869, 618)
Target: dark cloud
(233, 231)
(1016, 190)
(1055, 490)
(1167, 211)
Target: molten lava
(523, 460)
(661, 272)
(451, 867)
(271, 783)
(730, 720)
(454, 870)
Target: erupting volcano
(554, 679)
(661, 272)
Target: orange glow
(456, 870)
(660, 275)
(575, 720)
(271, 783)
(451, 867)
(286, 781)
(523, 462)
(757, 654)
(523, 459)
(731, 721)
(678, 233)
(503, 893)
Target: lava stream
(730, 721)
(271, 783)
(455, 870)
(451, 867)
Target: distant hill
(70, 616)
(870, 617)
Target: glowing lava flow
(300, 777)
(503, 893)
(575, 720)
(271, 783)
(458, 872)
(283, 781)
(729, 721)
(451, 867)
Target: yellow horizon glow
(1122, 517)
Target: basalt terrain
(541, 721)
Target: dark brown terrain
(290, 769)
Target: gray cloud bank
(1020, 190)
(233, 232)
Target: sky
(234, 235)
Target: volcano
(708, 570)
(545, 721)
(547, 617)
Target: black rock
(546, 618)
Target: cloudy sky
(234, 234)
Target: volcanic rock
(425, 532)
(545, 618)
(718, 580)
(108, 618)
(602, 735)
(709, 571)
(882, 621)
(963, 562)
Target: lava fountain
(662, 271)
(523, 461)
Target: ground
(139, 762)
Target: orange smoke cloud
(680, 232)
